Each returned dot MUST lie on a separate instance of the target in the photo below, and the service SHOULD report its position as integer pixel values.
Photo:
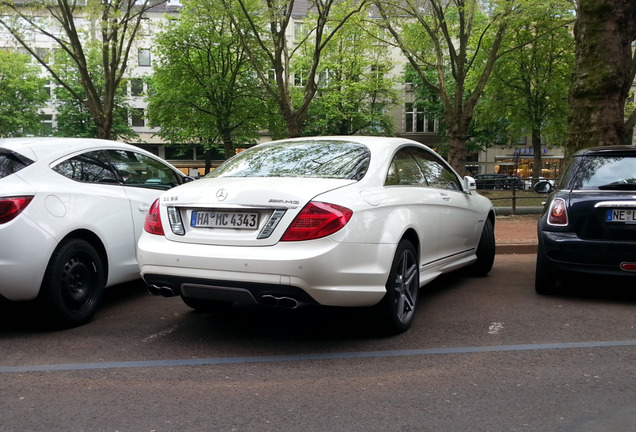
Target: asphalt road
(484, 354)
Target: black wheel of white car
(485, 251)
(73, 283)
(402, 287)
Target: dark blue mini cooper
(588, 225)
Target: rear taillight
(12, 206)
(558, 214)
(317, 220)
(153, 220)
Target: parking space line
(308, 357)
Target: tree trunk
(457, 153)
(602, 73)
(536, 152)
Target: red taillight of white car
(317, 220)
(153, 221)
(558, 214)
(12, 206)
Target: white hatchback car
(71, 211)
(338, 221)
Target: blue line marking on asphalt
(308, 357)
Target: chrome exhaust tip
(164, 291)
(153, 289)
(282, 302)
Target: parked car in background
(333, 221)
(588, 225)
(71, 211)
(498, 181)
(529, 185)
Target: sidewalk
(516, 234)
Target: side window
(404, 170)
(139, 170)
(91, 167)
(436, 172)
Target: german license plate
(620, 215)
(224, 219)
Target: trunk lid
(231, 211)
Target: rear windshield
(601, 173)
(315, 159)
(12, 162)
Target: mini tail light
(10, 207)
(153, 220)
(558, 214)
(317, 220)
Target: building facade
(409, 122)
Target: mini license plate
(620, 215)
(224, 219)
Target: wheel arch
(94, 240)
(492, 217)
(411, 235)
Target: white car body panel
(347, 268)
(62, 206)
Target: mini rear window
(312, 159)
(602, 173)
(12, 162)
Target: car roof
(36, 148)
(617, 150)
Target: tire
(485, 251)
(73, 283)
(203, 305)
(545, 281)
(397, 308)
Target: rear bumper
(25, 249)
(566, 252)
(320, 271)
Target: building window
(300, 31)
(416, 121)
(46, 121)
(137, 117)
(47, 88)
(300, 78)
(136, 87)
(144, 57)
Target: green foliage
(76, 28)
(354, 94)
(22, 94)
(204, 90)
(73, 117)
(529, 86)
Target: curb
(512, 249)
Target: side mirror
(543, 187)
(469, 184)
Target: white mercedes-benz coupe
(335, 221)
(71, 211)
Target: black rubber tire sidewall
(80, 260)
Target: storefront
(519, 161)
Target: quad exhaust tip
(282, 302)
(164, 291)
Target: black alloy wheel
(402, 288)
